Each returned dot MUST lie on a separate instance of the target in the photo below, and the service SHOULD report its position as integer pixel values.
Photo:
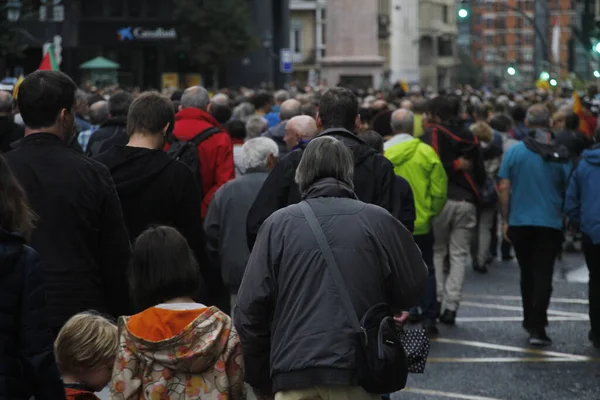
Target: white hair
(255, 126)
(255, 152)
(220, 99)
(195, 97)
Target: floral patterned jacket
(202, 361)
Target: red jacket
(216, 152)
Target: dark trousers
(429, 299)
(536, 249)
(592, 258)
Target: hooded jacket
(293, 327)
(419, 164)
(155, 189)
(215, 153)
(112, 132)
(80, 235)
(187, 354)
(27, 366)
(452, 143)
(374, 183)
(582, 203)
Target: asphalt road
(486, 355)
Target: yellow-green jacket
(420, 165)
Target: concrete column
(352, 42)
(404, 41)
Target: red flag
(48, 62)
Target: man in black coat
(80, 235)
(374, 178)
(155, 189)
(114, 131)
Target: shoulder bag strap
(205, 134)
(334, 270)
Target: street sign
(286, 61)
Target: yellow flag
(16, 88)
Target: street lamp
(511, 71)
(13, 10)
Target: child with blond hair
(85, 351)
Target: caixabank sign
(141, 33)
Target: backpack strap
(205, 134)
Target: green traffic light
(597, 47)
(597, 74)
(511, 71)
(544, 76)
(553, 82)
(463, 13)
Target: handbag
(381, 362)
(416, 344)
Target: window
(115, 8)
(153, 8)
(527, 55)
(296, 39)
(445, 14)
(489, 40)
(92, 9)
(490, 55)
(489, 23)
(445, 47)
(134, 8)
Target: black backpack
(186, 151)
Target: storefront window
(134, 8)
(115, 8)
(92, 9)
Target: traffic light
(511, 71)
(553, 82)
(596, 47)
(597, 74)
(463, 11)
(544, 75)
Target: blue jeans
(429, 300)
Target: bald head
(99, 112)
(403, 121)
(406, 104)
(6, 102)
(289, 109)
(538, 116)
(299, 128)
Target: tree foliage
(469, 73)
(214, 30)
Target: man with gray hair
(534, 176)
(288, 272)
(420, 165)
(98, 115)
(9, 131)
(81, 111)
(226, 242)
(256, 126)
(288, 110)
(215, 149)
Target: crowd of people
(160, 245)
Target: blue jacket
(582, 204)
(27, 366)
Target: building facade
(307, 38)
(503, 33)
(143, 38)
(438, 32)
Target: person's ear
(166, 128)
(319, 122)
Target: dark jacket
(154, 189)
(575, 142)
(80, 234)
(227, 212)
(112, 132)
(27, 366)
(291, 322)
(451, 143)
(374, 182)
(9, 133)
(582, 202)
